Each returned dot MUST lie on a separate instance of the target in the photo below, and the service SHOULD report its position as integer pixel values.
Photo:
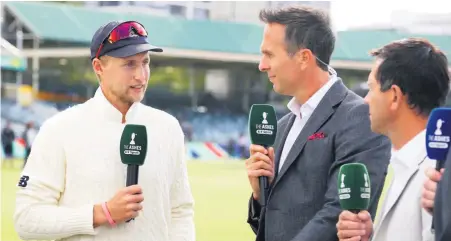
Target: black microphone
(263, 130)
(133, 149)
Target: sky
(354, 13)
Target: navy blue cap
(122, 48)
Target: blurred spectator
(231, 147)
(187, 129)
(242, 142)
(28, 137)
(8, 138)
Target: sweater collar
(109, 112)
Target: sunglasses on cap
(124, 30)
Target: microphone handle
(264, 184)
(132, 178)
(355, 211)
(263, 189)
(132, 175)
(438, 166)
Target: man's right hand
(124, 206)
(354, 227)
(260, 163)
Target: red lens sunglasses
(123, 31)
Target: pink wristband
(108, 215)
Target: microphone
(263, 130)
(438, 134)
(354, 187)
(133, 149)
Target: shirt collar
(308, 107)
(107, 111)
(411, 150)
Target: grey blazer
(303, 200)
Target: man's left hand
(429, 188)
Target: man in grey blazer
(408, 80)
(328, 126)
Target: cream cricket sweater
(75, 163)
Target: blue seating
(37, 112)
(214, 126)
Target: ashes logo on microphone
(132, 148)
(344, 192)
(264, 128)
(438, 140)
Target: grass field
(220, 190)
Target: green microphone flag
(262, 125)
(133, 150)
(354, 187)
(133, 144)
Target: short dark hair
(305, 28)
(418, 68)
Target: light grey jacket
(404, 218)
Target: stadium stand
(214, 43)
(77, 24)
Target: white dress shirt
(402, 159)
(303, 113)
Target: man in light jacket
(409, 79)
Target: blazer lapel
(321, 114)
(399, 186)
